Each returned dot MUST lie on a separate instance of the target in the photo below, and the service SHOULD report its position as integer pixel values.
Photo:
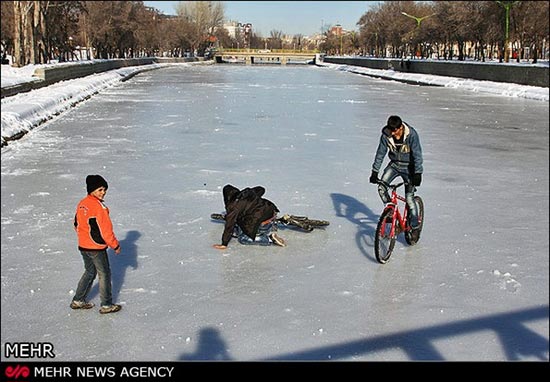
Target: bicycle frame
(397, 216)
(393, 221)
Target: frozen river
(475, 288)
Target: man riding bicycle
(405, 154)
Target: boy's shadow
(127, 258)
(211, 347)
(360, 215)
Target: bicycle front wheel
(383, 241)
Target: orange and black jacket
(93, 225)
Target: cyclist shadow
(360, 215)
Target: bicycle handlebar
(394, 186)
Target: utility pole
(507, 5)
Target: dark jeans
(95, 263)
(262, 237)
(390, 173)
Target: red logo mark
(17, 371)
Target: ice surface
(475, 288)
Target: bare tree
(457, 29)
(7, 29)
(276, 39)
(202, 17)
(37, 25)
(34, 32)
(530, 27)
(372, 32)
(21, 10)
(297, 40)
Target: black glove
(416, 179)
(373, 177)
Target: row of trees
(447, 29)
(35, 32)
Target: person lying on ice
(249, 217)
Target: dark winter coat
(247, 209)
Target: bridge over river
(266, 56)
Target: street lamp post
(417, 19)
(507, 5)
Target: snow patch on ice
(206, 193)
(40, 194)
(507, 281)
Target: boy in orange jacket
(95, 234)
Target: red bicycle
(393, 222)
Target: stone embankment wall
(498, 72)
(48, 75)
(522, 74)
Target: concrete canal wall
(522, 74)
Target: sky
(475, 287)
(290, 17)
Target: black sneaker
(236, 232)
(110, 308)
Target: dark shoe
(415, 235)
(275, 239)
(81, 305)
(110, 308)
(236, 232)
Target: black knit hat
(93, 182)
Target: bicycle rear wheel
(420, 208)
(383, 242)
